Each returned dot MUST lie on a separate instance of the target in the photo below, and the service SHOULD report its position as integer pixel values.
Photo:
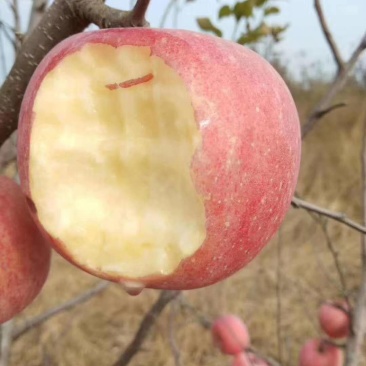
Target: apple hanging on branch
(158, 158)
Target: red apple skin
(316, 352)
(230, 334)
(25, 255)
(335, 322)
(247, 166)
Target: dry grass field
(294, 273)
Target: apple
(230, 334)
(25, 255)
(335, 320)
(317, 352)
(158, 158)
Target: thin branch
(2, 51)
(139, 13)
(145, 326)
(321, 114)
(103, 16)
(61, 20)
(337, 263)
(17, 29)
(328, 36)
(172, 341)
(337, 216)
(6, 341)
(167, 10)
(334, 89)
(355, 341)
(8, 31)
(78, 300)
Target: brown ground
(94, 334)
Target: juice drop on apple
(133, 288)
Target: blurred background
(279, 293)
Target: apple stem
(139, 12)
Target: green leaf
(271, 10)
(277, 32)
(225, 11)
(243, 9)
(260, 3)
(206, 25)
(255, 35)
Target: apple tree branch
(337, 85)
(328, 36)
(145, 326)
(355, 341)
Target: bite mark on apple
(132, 82)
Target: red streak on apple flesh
(129, 83)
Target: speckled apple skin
(24, 253)
(230, 334)
(247, 166)
(335, 322)
(316, 352)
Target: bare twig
(40, 319)
(321, 114)
(337, 263)
(8, 32)
(6, 341)
(172, 341)
(2, 51)
(355, 341)
(337, 216)
(139, 12)
(167, 10)
(328, 36)
(61, 20)
(335, 88)
(145, 326)
(17, 29)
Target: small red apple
(230, 334)
(158, 158)
(318, 352)
(334, 319)
(25, 256)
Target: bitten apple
(335, 319)
(230, 334)
(158, 158)
(24, 254)
(317, 352)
